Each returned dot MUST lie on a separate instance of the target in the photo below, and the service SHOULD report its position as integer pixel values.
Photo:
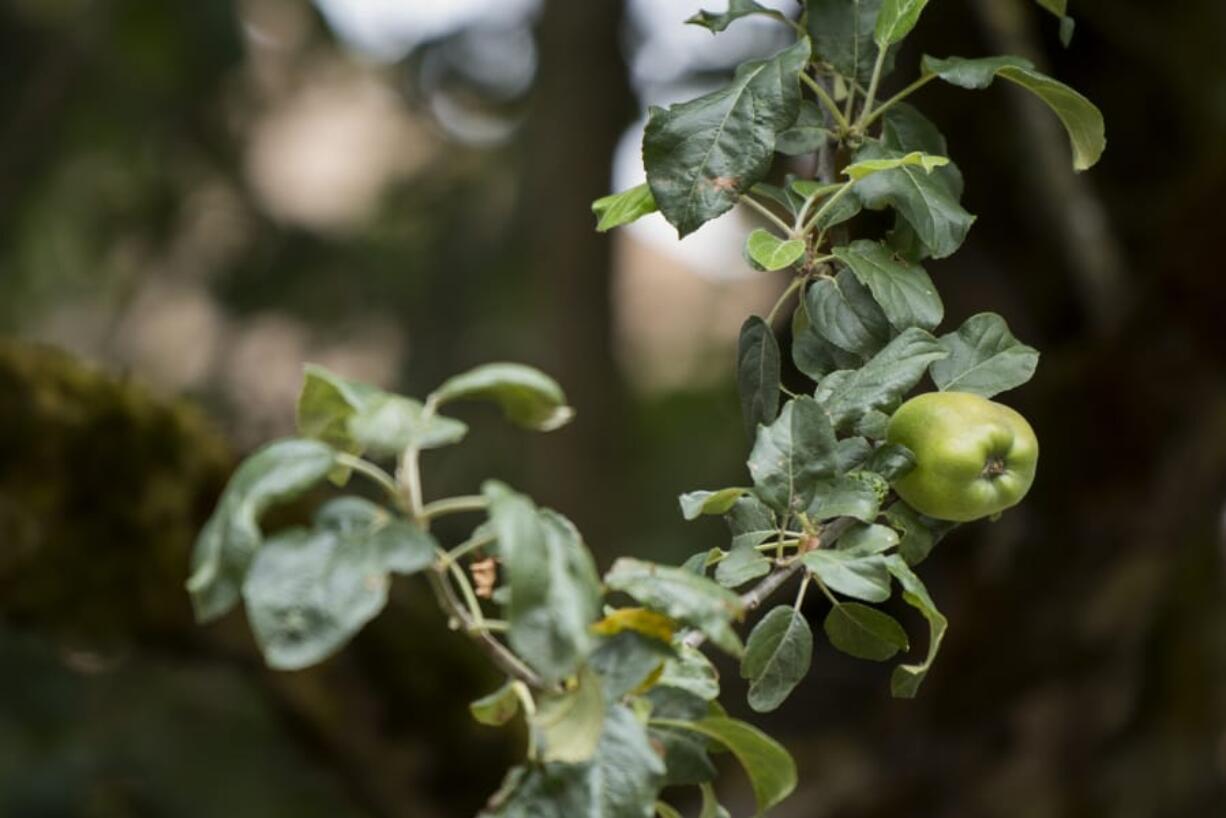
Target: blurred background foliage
(196, 198)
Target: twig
(776, 579)
(498, 652)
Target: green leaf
(278, 472)
(891, 461)
(842, 34)
(626, 661)
(690, 670)
(694, 504)
(357, 418)
(896, 20)
(867, 167)
(621, 781)
(569, 724)
(844, 496)
(867, 540)
(852, 452)
(688, 598)
(736, 10)
(920, 533)
(777, 657)
(757, 373)
(499, 707)
(309, 592)
(554, 588)
(807, 134)
(617, 209)
(1081, 119)
(847, 396)
(770, 252)
(751, 522)
(791, 455)
(1059, 8)
(907, 679)
(527, 396)
(904, 291)
(812, 353)
(687, 759)
(842, 311)
(923, 199)
(864, 632)
(984, 358)
(772, 772)
(403, 546)
(740, 566)
(905, 129)
(703, 154)
(859, 577)
(663, 810)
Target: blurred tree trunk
(581, 106)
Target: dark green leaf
(792, 454)
(736, 10)
(859, 577)
(757, 373)
(703, 154)
(907, 679)
(811, 352)
(772, 772)
(694, 504)
(842, 311)
(839, 210)
(777, 657)
(770, 252)
(984, 358)
(905, 292)
(807, 134)
(740, 566)
(1080, 117)
(228, 542)
(309, 592)
(852, 452)
(864, 632)
(896, 19)
(751, 522)
(847, 396)
(686, 597)
(919, 533)
(891, 461)
(555, 591)
(497, 708)
(924, 199)
(622, 780)
(842, 34)
(845, 496)
(527, 396)
(626, 660)
(617, 209)
(905, 129)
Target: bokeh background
(198, 197)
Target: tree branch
(499, 653)
(776, 579)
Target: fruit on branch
(974, 457)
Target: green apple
(974, 457)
